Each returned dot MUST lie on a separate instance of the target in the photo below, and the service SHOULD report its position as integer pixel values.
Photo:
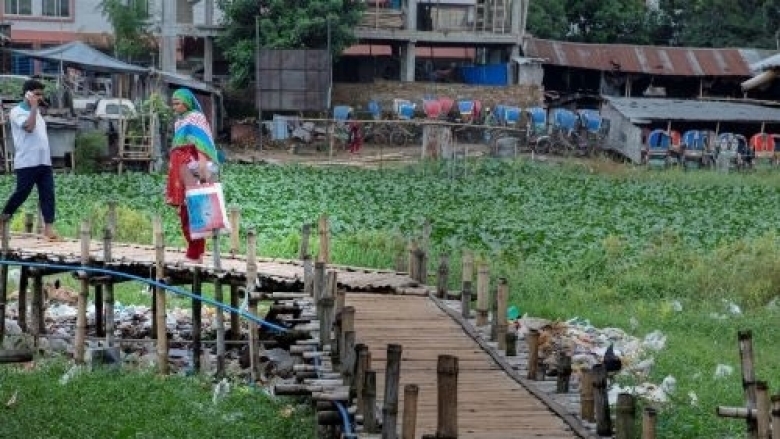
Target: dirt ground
(370, 156)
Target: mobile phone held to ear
(29, 95)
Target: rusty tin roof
(651, 60)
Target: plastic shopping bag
(206, 210)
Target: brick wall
(358, 95)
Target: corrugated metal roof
(652, 60)
(693, 110)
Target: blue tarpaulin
(82, 56)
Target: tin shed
(629, 117)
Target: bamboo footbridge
(380, 353)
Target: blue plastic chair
(375, 109)
(590, 120)
(537, 119)
(341, 112)
(512, 115)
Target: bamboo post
(763, 410)
(413, 273)
(305, 238)
(361, 351)
(502, 296)
(483, 284)
(410, 411)
(37, 309)
(81, 311)
(775, 416)
(235, 317)
(447, 400)
(649, 419)
(401, 258)
(586, 395)
(346, 345)
(109, 288)
(159, 270)
(308, 275)
(235, 221)
(324, 232)
(564, 373)
(219, 317)
(24, 280)
(532, 338)
(319, 283)
(601, 401)
(494, 314)
(392, 379)
(625, 416)
(251, 278)
(511, 344)
(29, 222)
(100, 328)
(4, 276)
(443, 277)
(467, 276)
(421, 259)
(197, 306)
(745, 339)
(369, 402)
(325, 311)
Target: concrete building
(491, 30)
(35, 24)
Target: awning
(82, 56)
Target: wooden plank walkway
(491, 403)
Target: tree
(548, 19)
(132, 37)
(729, 23)
(283, 24)
(590, 21)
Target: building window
(18, 7)
(55, 8)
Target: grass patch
(140, 405)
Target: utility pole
(169, 39)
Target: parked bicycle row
(558, 131)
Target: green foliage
(702, 23)
(140, 405)
(283, 24)
(132, 37)
(91, 148)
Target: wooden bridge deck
(491, 404)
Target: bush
(91, 148)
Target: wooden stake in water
(219, 320)
(235, 216)
(251, 278)
(159, 270)
(108, 298)
(81, 308)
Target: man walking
(32, 157)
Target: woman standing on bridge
(192, 160)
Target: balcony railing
(490, 16)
